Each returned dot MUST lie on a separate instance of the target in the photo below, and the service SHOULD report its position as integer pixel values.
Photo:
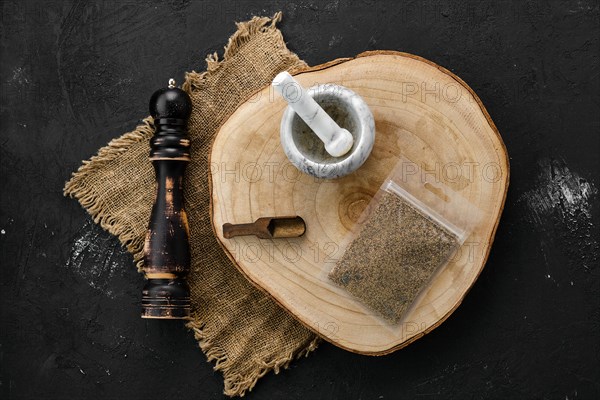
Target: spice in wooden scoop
(267, 228)
(393, 257)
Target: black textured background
(76, 74)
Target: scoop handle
(233, 230)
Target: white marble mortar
(307, 152)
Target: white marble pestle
(338, 141)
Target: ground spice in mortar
(393, 256)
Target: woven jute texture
(238, 327)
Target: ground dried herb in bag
(393, 256)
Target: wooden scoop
(267, 228)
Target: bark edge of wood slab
(166, 294)
(423, 112)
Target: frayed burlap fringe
(79, 188)
(237, 384)
(245, 31)
(238, 327)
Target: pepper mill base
(166, 299)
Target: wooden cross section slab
(422, 112)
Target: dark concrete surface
(75, 74)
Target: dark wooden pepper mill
(166, 250)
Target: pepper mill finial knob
(166, 249)
(170, 102)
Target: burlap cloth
(238, 327)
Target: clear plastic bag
(409, 231)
